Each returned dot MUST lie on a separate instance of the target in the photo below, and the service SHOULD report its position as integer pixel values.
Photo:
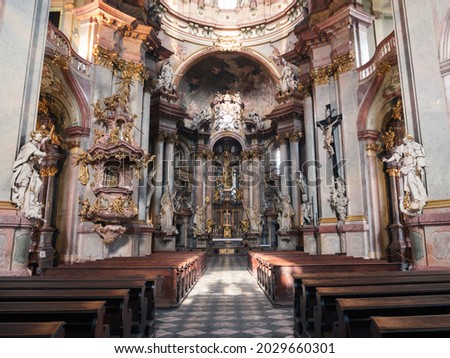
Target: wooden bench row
(113, 297)
(174, 274)
(274, 271)
(342, 304)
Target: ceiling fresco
(227, 72)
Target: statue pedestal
(287, 240)
(46, 251)
(252, 239)
(165, 242)
(15, 239)
(201, 242)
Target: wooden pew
(32, 330)
(164, 277)
(84, 319)
(325, 313)
(435, 326)
(279, 284)
(354, 313)
(117, 313)
(140, 298)
(305, 295)
(174, 275)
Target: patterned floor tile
(226, 302)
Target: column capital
(372, 149)
(294, 137)
(281, 139)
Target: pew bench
(305, 295)
(117, 313)
(434, 326)
(354, 313)
(325, 313)
(32, 330)
(140, 298)
(84, 319)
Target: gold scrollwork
(397, 111)
(383, 67)
(295, 136)
(372, 149)
(48, 171)
(389, 139)
(60, 60)
(343, 63)
(321, 76)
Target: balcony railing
(59, 42)
(385, 50)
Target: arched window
(278, 159)
(227, 4)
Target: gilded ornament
(60, 60)
(48, 171)
(372, 149)
(397, 111)
(321, 76)
(227, 44)
(104, 57)
(383, 67)
(389, 139)
(343, 63)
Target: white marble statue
(256, 118)
(286, 212)
(166, 77)
(339, 200)
(411, 157)
(200, 117)
(307, 209)
(255, 219)
(200, 220)
(288, 83)
(26, 181)
(166, 214)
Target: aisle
(226, 302)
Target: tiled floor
(226, 302)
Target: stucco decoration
(224, 72)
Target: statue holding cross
(327, 125)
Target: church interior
(282, 160)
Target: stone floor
(226, 302)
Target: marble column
(156, 202)
(374, 209)
(295, 168)
(310, 167)
(425, 84)
(257, 181)
(198, 175)
(169, 150)
(68, 203)
(284, 163)
(184, 231)
(209, 183)
(245, 180)
(46, 233)
(397, 246)
(23, 30)
(144, 212)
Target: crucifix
(327, 125)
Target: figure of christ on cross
(327, 125)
